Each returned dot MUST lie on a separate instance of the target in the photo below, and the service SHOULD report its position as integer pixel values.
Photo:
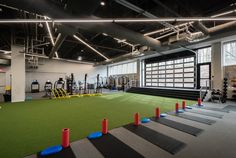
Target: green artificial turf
(28, 127)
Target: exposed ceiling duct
(47, 8)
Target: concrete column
(217, 66)
(139, 72)
(18, 74)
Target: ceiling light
(105, 34)
(79, 58)
(102, 3)
(82, 41)
(40, 25)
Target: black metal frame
(198, 74)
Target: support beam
(143, 12)
(60, 39)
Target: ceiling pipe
(195, 36)
(49, 9)
(200, 27)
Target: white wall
(53, 69)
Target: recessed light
(105, 34)
(102, 3)
(79, 58)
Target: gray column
(139, 72)
(217, 66)
(18, 73)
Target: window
(177, 73)
(127, 68)
(204, 55)
(229, 51)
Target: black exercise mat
(167, 143)
(213, 109)
(112, 147)
(179, 126)
(206, 113)
(197, 119)
(230, 107)
(65, 153)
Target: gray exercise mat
(206, 113)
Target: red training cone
(183, 104)
(104, 126)
(199, 102)
(158, 112)
(177, 107)
(136, 119)
(65, 137)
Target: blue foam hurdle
(51, 150)
(189, 107)
(94, 135)
(180, 111)
(163, 115)
(145, 120)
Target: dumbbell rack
(233, 83)
(224, 90)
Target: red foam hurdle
(177, 107)
(136, 119)
(199, 101)
(183, 104)
(158, 112)
(104, 126)
(65, 137)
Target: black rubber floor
(111, 147)
(65, 153)
(230, 107)
(167, 143)
(206, 113)
(197, 119)
(179, 126)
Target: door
(204, 75)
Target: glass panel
(188, 74)
(179, 66)
(148, 84)
(204, 82)
(169, 75)
(162, 63)
(169, 71)
(188, 79)
(189, 65)
(178, 85)
(204, 69)
(169, 67)
(204, 55)
(154, 80)
(229, 51)
(189, 70)
(179, 80)
(155, 84)
(178, 75)
(178, 70)
(169, 84)
(189, 85)
(169, 62)
(169, 80)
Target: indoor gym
(117, 78)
